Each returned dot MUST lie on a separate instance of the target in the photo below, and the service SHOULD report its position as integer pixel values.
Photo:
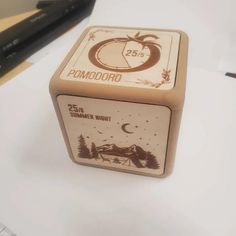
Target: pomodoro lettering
(81, 74)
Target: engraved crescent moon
(123, 127)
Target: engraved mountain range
(112, 149)
(133, 155)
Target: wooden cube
(119, 96)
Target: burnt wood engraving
(133, 155)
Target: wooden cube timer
(119, 96)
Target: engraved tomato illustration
(128, 54)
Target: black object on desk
(233, 75)
(23, 39)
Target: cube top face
(128, 57)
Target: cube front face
(113, 96)
(120, 135)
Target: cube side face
(115, 114)
(123, 136)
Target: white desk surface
(43, 193)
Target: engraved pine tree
(82, 148)
(151, 161)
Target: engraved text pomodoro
(93, 75)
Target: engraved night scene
(116, 134)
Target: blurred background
(12, 7)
